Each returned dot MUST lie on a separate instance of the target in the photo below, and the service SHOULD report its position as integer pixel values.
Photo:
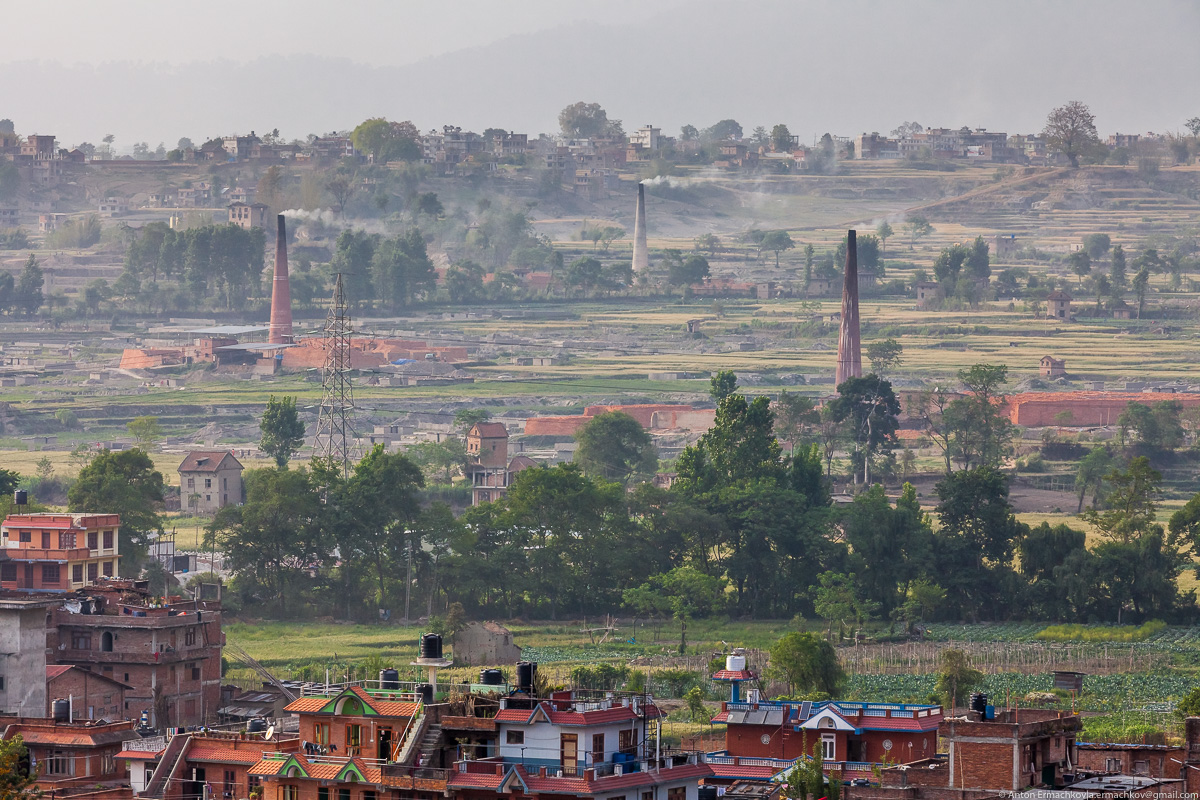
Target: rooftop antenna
(335, 434)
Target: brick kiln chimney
(849, 363)
(281, 293)
(641, 255)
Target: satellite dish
(270, 732)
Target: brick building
(181, 766)
(489, 470)
(72, 754)
(92, 695)
(1051, 367)
(210, 480)
(57, 552)
(1144, 760)
(170, 650)
(1018, 748)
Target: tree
(1131, 502)
(342, 187)
(10, 180)
(145, 431)
(807, 664)
(1097, 244)
(917, 227)
(781, 139)
(695, 704)
(981, 430)
(614, 446)
(974, 506)
(956, 676)
(1141, 285)
(584, 121)
(1080, 263)
(282, 430)
(722, 385)
(884, 231)
(725, 129)
(1090, 475)
(869, 407)
(272, 539)
(401, 269)
(688, 133)
(28, 293)
(709, 242)
(884, 356)
(687, 271)
(1070, 130)
(17, 780)
(794, 413)
(584, 273)
(387, 141)
(776, 242)
(464, 282)
(127, 484)
(467, 418)
(1189, 706)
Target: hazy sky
(155, 70)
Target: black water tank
(426, 692)
(491, 677)
(526, 671)
(62, 710)
(707, 793)
(256, 725)
(21, 497)
(979, 702)
(389, 679)
(431, 645)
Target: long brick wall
(651, 416)
(1039, 409)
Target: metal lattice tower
(335, 433)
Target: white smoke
(323, 215)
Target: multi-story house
(69, 757)
(57, 552)
(167, 652)
(210, 480)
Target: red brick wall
(1038, 409)
(554, 426)
(92, 696)
(983, 766)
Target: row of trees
(213, 261)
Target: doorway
(570, 752)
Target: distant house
(248, 215)
(1122, 310)
(209, 480)
(1053, 367)
(927, 293)
(487, 643)
(1059, 303)
(490, 470)
(113, 207)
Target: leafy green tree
(689, 594)
(467, 418)
(888, 546)
(274, 538)
(781, 139)
(353, 254)
(17, 781)
(981, 431)
(1156, 427)
(688, 271)
(695, 705)
(584, 274)
(585, 121)
(464, 282)
(869, 407)
(124, 483)
(401, 269)
(1131, 502)
(776, 242)
(725, 129)
(956, 677)
(614, 446)
(917, 227)
(1090, 475)
(806, 663)
(1189, 706)
(884, 356)
(282, 430)
(722, 385)
(1071, 130)
(884, 231)
(1116, 273)
(921, 601)
(795, 414)
(1097, 244)
(387, 141)
(1080, 263)
(145, 431)
(1141, 285)
(28, 293)
(1045, 553)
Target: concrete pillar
(849, 361)
(641, 254)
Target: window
(1, 683)
(108, 763)
(108, 569)
(321, 734)
(289, 792)
(208, 483)
(93, 538)
(514, 737)
(195, 673)
(60, 762)
(45, 540)
(1112, 765)
(322, 793)
(8, 572)
(597, 748)
(93, 571)
(66, 541)
(625, 741)
(189, 637)
(81, 640)
(828, 747)
(230, 782)
(368, 795)
(343, 793)
(353, 735)
(50, 573)
(108, 540)
(677, 793)
(25, 536)
(77, 573)
(647, 795)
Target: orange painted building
(57, 552)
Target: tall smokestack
(849, 363)
(281, 293)
(641, 255)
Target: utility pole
(335, 433)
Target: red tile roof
(223, 755)
(144, 755)
(734, 675)
(54, 670)
(206, 460)
(738, 771)
(598, 716)
(476, 780)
